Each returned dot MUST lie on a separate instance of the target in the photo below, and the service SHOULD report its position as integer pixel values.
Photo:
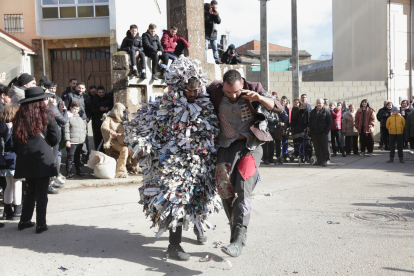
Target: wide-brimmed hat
(34, 94)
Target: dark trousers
(351, 142)
(336, 136)
(278, 144)
(3, 183)
(399, 138)
(321, 146)
(36, 192)
(133, 58)
(384, 137)
(179, 50)
(155, 59)
(367, 141)
(231, 182)
(298, 144)
(269, 148)
(175, 237)
(74, 152)
(412, 142)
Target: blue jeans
(213, 44)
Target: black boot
(202, 239)
(177, 252)
(135, 72)
(235, 248)
(17, 212)
(7, 212)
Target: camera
(232, 52)
(214, 9)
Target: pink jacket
(336, 118)
(168, 41)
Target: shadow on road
(95, 242)
(401, 203)
(400, 270)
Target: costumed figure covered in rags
(243, 128)
(175, 139)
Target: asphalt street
(354, 217)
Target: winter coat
(210, 23)
(300, 121)
(61, 118)
(409, 127)
(75, 129)
(35, 159)
(344, 110)
(228, 59)
(369, 122)
(112, 123)
(151, 43)
(9, 149)
(294, 111)
(84, 101)
(348, 122)
(168, 42)
(283, 118)
(336, 118)
(96, 112)
(320, 123)
(405, 112)
(396, 124)
(130, 43)
(382, 116)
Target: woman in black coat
(300, 122)
(35, 132)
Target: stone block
(274, 78)
(343, 89)
(310, 84)
(282, 90)
(277, 84)
(380, 88)
(120, 61)
(304, 89)
(120, 79)
(327, 83)
(365, 83)
(375, 83)
(314, 89)
(347, 83)
(337, 83)
(370, 88)
(290, 78)
(356, 83)
(284, 79)
(324, 89)
(357, 93)
(362, 88)
(333, 89)
(287, 73)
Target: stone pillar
(264, 46)
(188, 17)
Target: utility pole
(295, 52)
(264, 46)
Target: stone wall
(351, 91)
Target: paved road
(102, 231)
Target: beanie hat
(395, 108)
(24, 79)
(45, 83)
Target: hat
(24, 79)
(395, 108)
(34, 94)
(45, 83)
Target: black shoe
(202, 239)
(57, 185)
(40, 229)
(317, 163)
(154, 77)
(391, 160)
(52, 191)
(324, 164)
(143, 75)
(135, 72)
(343, 154)
(235, 248)
(7, 212)
(25, 224)
(266, 162)
(1, 225)
(17, 212)
(177, 252)
(81, 174)
(402, 160)
(69, 176)
(219, 62)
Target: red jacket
(168, 41)
(336, 118)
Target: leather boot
(235, 248)
(17, 212)
(7, 212)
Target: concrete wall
(26, 8)
(351, 91)
(10, 60)
(360, 40)
(322, 74)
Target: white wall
(124, 13)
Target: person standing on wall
(211, 19)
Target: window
(53, 9)
(13, 23)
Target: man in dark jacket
(154, 50)
(320, 123)
(269, 147)
(211, 18)
(4, 96)
(382, 116)
(132, 44)
(231, 56)
(72, 87)
(100, 105)
(243, 129)
(173, 44)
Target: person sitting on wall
(154, 50)
(231, 56)
(173, 45)
(132, 44)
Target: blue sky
(242, 17)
